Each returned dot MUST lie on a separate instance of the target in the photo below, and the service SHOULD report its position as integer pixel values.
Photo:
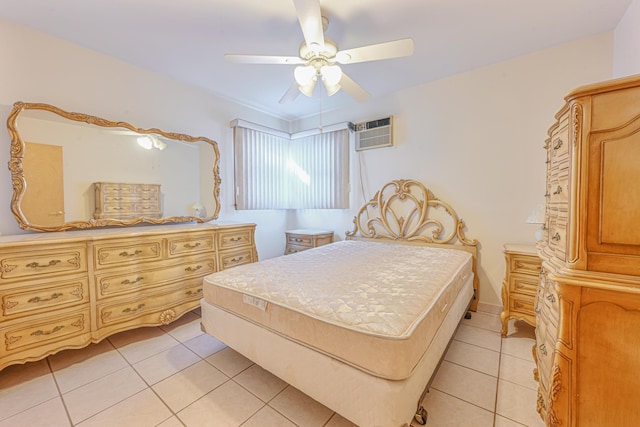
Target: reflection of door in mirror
(44, 195)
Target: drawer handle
(126, 254)
(543, 349)
(38, 265)
(41, 332)
(53, 296)
(197, 292)
(190, 246)
(537, 309)
(235, 239)
(547, 194)
(551, 298)
(117, 209)
(116, 198)
(131, 282)
(558, 144)
(236, 259)
(297, 240)
(558, 190)
(134, 309)
(556, 237)
(190, 269)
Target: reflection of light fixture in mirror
(307, 76)
(537, 217)
(149, 141)
(198, 210)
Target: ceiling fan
(319, 57)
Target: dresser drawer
(558, 237)
(192, 244)
(127, 252)
(46, 263)
(559, 190)
(120, 310)
(234, 258)
(551, 302)
(228, 239)
(146, 190)
(146, 209)
(119, 283)
(51, 329)
(26, 301)
(560, 146)
(116, 188)
(119, 208)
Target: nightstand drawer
(302, 239)
(525, 264)
(520, 284)
(522, 303)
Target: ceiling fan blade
(310, 18)
(353, 89)
(263, 59)
(374, 52)
(291, 94)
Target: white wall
(475, 139)
(626, 52)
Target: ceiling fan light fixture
(304, 75)
(307, 89)
(331, 74)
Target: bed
(359, 325)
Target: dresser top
(106, 233)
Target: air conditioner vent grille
(374, 134)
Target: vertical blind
(277, 172)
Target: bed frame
(402, 212)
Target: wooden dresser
(520, 284)
(122, 200)
(588, 300)
(69, 289)
(303, 239)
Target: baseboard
(489, 308)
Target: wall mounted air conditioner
(374, 134)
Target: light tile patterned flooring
(177, 376)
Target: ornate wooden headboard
(405, 211)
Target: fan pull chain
(320, 103)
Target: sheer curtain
(274, 171)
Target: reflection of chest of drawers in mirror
(122, 200)
(67, 290)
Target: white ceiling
(186, 39)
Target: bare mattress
(374, 306)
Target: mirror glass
(72, 170)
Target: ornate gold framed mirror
(73, 170)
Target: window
(276, 171)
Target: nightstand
(303, 239)
(520, 284)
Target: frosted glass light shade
(304, 75)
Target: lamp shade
(536, 216)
